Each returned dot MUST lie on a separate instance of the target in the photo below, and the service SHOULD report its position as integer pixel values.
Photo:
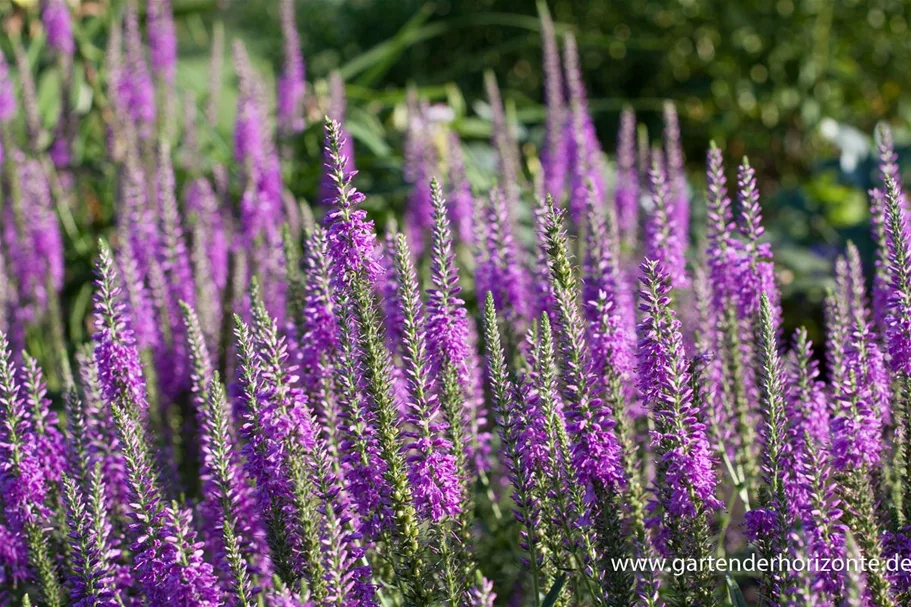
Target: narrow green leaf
(737, 599)
(554, 593)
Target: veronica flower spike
(769, 525)
(91, 579)
(22, 483)
(685, 478)
(123, 388)
(433, 475)
(232, 527)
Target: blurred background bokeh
(797, 85)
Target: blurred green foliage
(756, 75)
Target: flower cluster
(257, 403)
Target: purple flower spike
(676, 171)
(722, 249)
(22, 481)
(596, 447)
(292, 85)
(261, 204)
(898, 328)
(888, 159)
(505, 145)
(500, 268)
(92, 580)
(757, 272)
(350, 233)
(857, 427)
(363, 467)
(162, 39)
(48, 445)
(318, 329)
(881, 263)
(461, 200)
(607, 303)
(119, 367)
(449, 335)
(553, 152)
(663, 241)
(583, 149)
(336, 112)
(808, 411)
(7, 92)
(136, 88)
(34, 241)
(482, 594)
(626, 196)
(56, 18)
(686, 478)
(420, 160)
(433, 476)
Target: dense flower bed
(277, 407)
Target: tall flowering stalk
(318, 350)
(461, 199)
(880, 294)
(569, 535)
(24, 487)
(500, 268)
(263, 431)
(167, 568)
(626, 196)
(336, 111)
(173, 366)
(420, 160)
(135, 86)
(55, 15)
(553, 152)
(731, 264)
(596, 451)
(664, 242)
(209, 253)
(679, 202)
(609, 310)
(821, 517)
(769, 525)
(872, 364)
(516, 440)
(162, 39)
(583, 149)
(757, 274)
(233, 529)
(685, 479)
(100, 437)
(363, 468)
(289, 436)
(350, 240)
(856, 428)
(261, 203)
(808, 409)
(596, 455)
(451, 352)
(48, 440)
(91, 579)
(721, 284)
(292, 85)
(503, 142)
(433, 474)
(898, 334)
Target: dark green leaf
(736, 595)
(554, 593)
